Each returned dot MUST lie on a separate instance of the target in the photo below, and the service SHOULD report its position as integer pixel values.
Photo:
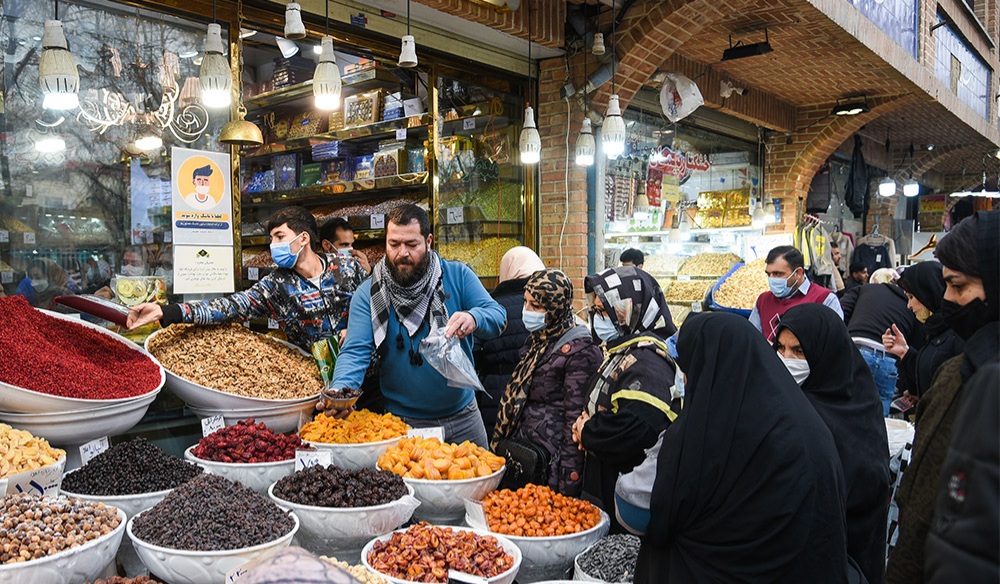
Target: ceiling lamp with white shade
(613, 131)
(530, 142)
(294, 27)
(57, 72)
(585, 144)
(887, 187)
(49, 144)
(911, 188)
(327, 85)
(408, 48)
(215, 75)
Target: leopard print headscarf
(553, 291)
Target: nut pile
(709, 264)
(247, 442)
(21, 451)
(612, 559)
(358, 572)
(537, 511)
(36, 527)
(428, 458)
(686, 291)
(425, 553)
(663, 264)
(358, 428)
(322, 486)
(130, 468)
(212, 513)
(742, 287)
(243, 363)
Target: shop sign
(203, 269)
(202, 212)
(679, 164)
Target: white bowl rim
(386, 442)
(93, 543)
(263, 409)
(454, 481)
(499, 537)
(213, 553)
(188, 454)
(58, 460)
(123, 498)
(605, 520)
(317, 508)
(261, 400)
(129, 401)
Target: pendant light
(887, 187)
(326, 83)
(911, 188)
(530, 141)
(585, 145)
(240, 132)
(613, 132)
(215, 76)
(294, 28)
(408, 50)
(759, 218)
(599, 49)
(49, 144)
(57, 72)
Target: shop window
(959, 68)
(896, 18)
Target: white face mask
(40, 284)
(345, 251)
(533, 321)
(130, 270)
(799, 368)
(201, 189)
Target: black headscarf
(635, 294)
(748, 486)
(925, 282)
(841, 388)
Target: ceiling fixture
(57, 72)
(887, 187)
(408, 50)
(246, 33)
(49, 144)
(911, 188)
(294, 28)
(851, 108)
(530, 142)
(613, 131)
(759, 220)
(149, 142)
(215, 75)
(240, 132)
(599, 44)
(288, 48)
(326, 84)
(585, 144)
(742, 51)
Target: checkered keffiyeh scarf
(411, 303)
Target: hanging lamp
(887, 186)
(215, 76)
(240, 132)
(294, 27)
(326, 83)
(599, 49)
(911, 188)
(585, 145)
(530, 142)
(57, 72)
(408, 50)
(759, 217)
(49, 144)
(613, 132)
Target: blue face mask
(780, 286)
(282, 254)
(533, 321)
(604, 328)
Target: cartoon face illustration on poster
(202, 197)
(206, 186)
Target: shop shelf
(665, 232)
(369, 188)
(353, 83)
(375, 132)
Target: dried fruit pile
(58, 357)
(247, 442)
(130, 468)
(425, 553)
(535, 511)
(428, 458)
(322, 486)
(242, 362)
(358, 428)
(36, 527)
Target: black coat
(870, 309)
(497, 357)
(918, 366)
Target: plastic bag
(679, 97)
(447, 357)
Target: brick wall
(548, 19)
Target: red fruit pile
(247, 442)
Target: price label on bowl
(476, 514)
(209, 425)
(29, 237)
(233, 576)
(308, 458)
(253, 274)
(455, 215)
(469, 124)
(432, 432)
(43, 481)
(272, 324)
(4, 236)
(93, 448)
(378, 221)
(683, 278)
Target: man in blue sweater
(411, 290)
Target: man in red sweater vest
(786, 276)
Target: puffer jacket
(496, 358)
(557, 395)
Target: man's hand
(325, 407)
(461, 325)
(143, 314)
(362, 259)
(895, 342)
(578, 429)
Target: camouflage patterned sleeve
(255, 302)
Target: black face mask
(965, 319)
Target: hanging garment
(874, 252)
(856, 195)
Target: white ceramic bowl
(61, 463)
(443, 501)
(327, 528)
(355, 456)
(26, 401)
(81, 426)
(257, 475)
(504, 578)
(198, 567)
(130, 504)
(552, 557)
(200, 396)
(279, 418)
(81, 564)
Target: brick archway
(928, 160)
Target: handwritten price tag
(44, 481)
(272, 324)
(6, 277)
(432, 432)
(401, 134)
(209, 425)
(253, 274)
(168, 236)
(4, 236)
(93, 448)
(233, 576)
(308, 458)
(469, 124)
(378, 221)
(476, 514)
(29, 237)
(455, 214)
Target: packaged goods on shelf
(133, 290)
(252, 228)
(243, 363)
(262, 182)
(312, 174)
(741, 288)
(286, 167)
(362, 109)
(709, 264)
(306, 124)
(364, 167)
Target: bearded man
(412, 291)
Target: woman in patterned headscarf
(630, 397)
(549, 386)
